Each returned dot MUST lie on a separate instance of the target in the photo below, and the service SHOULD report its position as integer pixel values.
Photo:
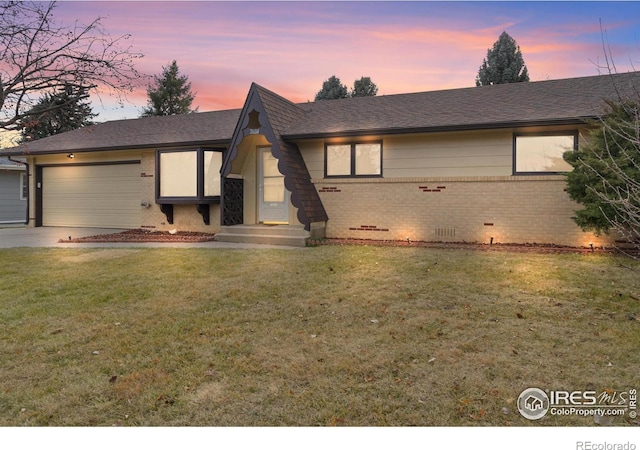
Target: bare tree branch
(40, 55)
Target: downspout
(26, 219)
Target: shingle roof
(276, 113)
(207, 128)
(7, 164)
(281, 113)
(504, 105)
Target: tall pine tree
(56, 113)
(504, 63)
(170, 95)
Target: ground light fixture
(591, 246)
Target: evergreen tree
(332, 89)
(364, 87)
(171, 94)
(504, 63)
(56, 113)
(606, 173)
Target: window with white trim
(363, 159)
(542, 153)
(24, 186)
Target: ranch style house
(481, 164)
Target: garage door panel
(92, 196)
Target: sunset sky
(292, 47)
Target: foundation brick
(511, 209)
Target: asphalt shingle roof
(506, 105)
(281, 113)
(542, 102)
(205, 128)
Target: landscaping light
(591, 245)
(491, 241)
(71, 156)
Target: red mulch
(141, 235)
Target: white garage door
(105, 196)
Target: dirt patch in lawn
(141, 235)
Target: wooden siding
(460, 154)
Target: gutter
(435, 129)
(26, 219)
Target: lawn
(332, 335)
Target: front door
(273, 198)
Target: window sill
(188, 200)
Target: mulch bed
(140, 235)
(524, 248)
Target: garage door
(106, 196)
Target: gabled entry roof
(268, 114)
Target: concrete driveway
(50, 237)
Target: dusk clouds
(291, 47)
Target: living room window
(188, 176)
(542, 153)
(353, 160)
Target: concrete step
(294, 236)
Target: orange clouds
(291, 47)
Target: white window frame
(24, 183)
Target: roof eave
(207, 143)
(439, 129)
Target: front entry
(273, 198)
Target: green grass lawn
(351, 335)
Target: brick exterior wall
(511, 209)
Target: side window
(24, 186)
(353, 160)
(542, 153)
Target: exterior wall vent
(445, 232)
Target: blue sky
(292, 47)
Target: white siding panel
(105, 196)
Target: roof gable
(273, 113)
